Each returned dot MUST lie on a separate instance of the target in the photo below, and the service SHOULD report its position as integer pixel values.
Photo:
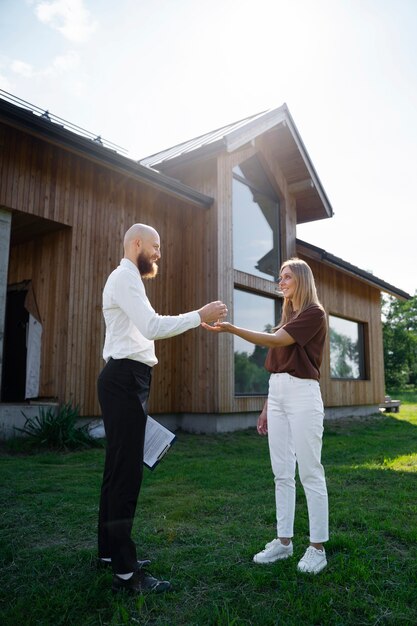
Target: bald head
(139, 232)
(142, 247)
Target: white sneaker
(313, 561)
(274, 551)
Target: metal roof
(287, 145)
(330, 259)
(23, 115)
(214, 139)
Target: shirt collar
(129, 265)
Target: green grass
(203, 513)
(407, 395)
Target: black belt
(135, 365)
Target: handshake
(213, 312)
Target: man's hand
(213, 311)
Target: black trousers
(123, 390)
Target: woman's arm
(268, 340)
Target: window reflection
(257, 313)
(255, 221)
(346, 349)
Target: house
(226, 205)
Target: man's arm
(130, 295)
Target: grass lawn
(203, 513)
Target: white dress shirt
(132, 325)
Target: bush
(57, 428)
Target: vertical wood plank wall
(203, 263)
(92, 207)
(343, 296)
(220, 229)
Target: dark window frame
(277, 302)
(270, 192)
(363, 349)
(251, 283)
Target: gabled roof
(215, 140)
(286, 146)
(321, 255)
(24, 116)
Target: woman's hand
(262, 425)
(218, 327)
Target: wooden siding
(70, 215)
(92, 207)
(202, 262)
(221, 229)
(342, 295)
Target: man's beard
(146, 267)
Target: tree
(399, 326)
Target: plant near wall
(58, 428)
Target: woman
(293, 414)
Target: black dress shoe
(101, 564)
(140, 582)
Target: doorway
(15, 347)
(22, 344)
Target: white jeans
(295, 430)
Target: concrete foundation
(209, 423)
(11, 416)
(229, 422)
(341, 412)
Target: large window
(347, 349)
(256, 262)
(255, 221)
(257, 313)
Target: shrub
(57, 428)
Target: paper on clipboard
(158, 441)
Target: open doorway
(22, 344)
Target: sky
(148, 74)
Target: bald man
(132, 326)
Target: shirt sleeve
(304, 327)
(130, 296)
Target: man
(132, 325)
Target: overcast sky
(148, 74)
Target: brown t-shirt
(302, 358)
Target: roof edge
(334, 261)
(27, 120)
(308, 162)
(246, 130)
(255, 127)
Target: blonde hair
(305, 292)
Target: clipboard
(158, 440)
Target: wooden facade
(344, 296)
(70, 207)
(69, 215)
(340, 294)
